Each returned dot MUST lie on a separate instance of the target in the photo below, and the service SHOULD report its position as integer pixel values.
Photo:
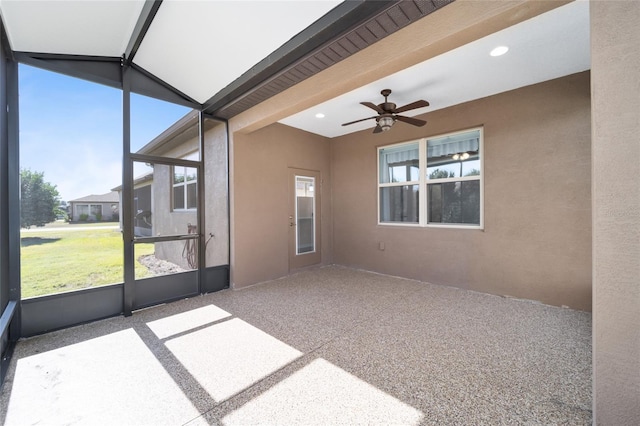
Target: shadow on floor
(326, 346)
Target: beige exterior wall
(216, 214)
(261, 162)
(169, 222)
(615, 37)
(166, 221)
(536, 242)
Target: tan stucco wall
(615, 37)
(169, 222)
(216, 196)
(260, 197)
(166, 221)
(537, 238)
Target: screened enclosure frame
(118, 69)
(21, 318)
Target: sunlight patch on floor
(322, 394)
(179, 323)
(113, 379)
(231, 356)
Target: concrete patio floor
(325, 346)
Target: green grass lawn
(53, 261)
(67, 225)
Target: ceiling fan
(388, 113)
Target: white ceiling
(215, 42)
(198, 47)
(100, 28)
(548, 46)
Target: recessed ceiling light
(319, 115)
(499, 51)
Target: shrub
(83, 217)
(98, 217)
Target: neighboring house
(142, 221)
(104, 207)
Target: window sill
(435, 226)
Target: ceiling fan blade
(378, 129)
(357, 121)
(412, 105)
(411, 120)
(373, 107)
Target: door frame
(302, 260)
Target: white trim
(398, 184)
(378, 182)
(482, 157)
(423, 182)
(455, 226)
(453, 179)
(480, 178)
(392, 184)
(184, 184)
(402, 224)
(394, 146)
(422, 201)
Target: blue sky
(71, 130)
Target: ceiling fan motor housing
(388, 106)
(387, 115)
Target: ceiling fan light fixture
(385, 123)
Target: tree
(441, 174)
(40, 200)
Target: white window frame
(77, 208)
(89, 209)
(183, 184)
(423, 182)
(98, 207)
(404, 183)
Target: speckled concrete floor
(326, 346)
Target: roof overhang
(221, 57)
(294, 58)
